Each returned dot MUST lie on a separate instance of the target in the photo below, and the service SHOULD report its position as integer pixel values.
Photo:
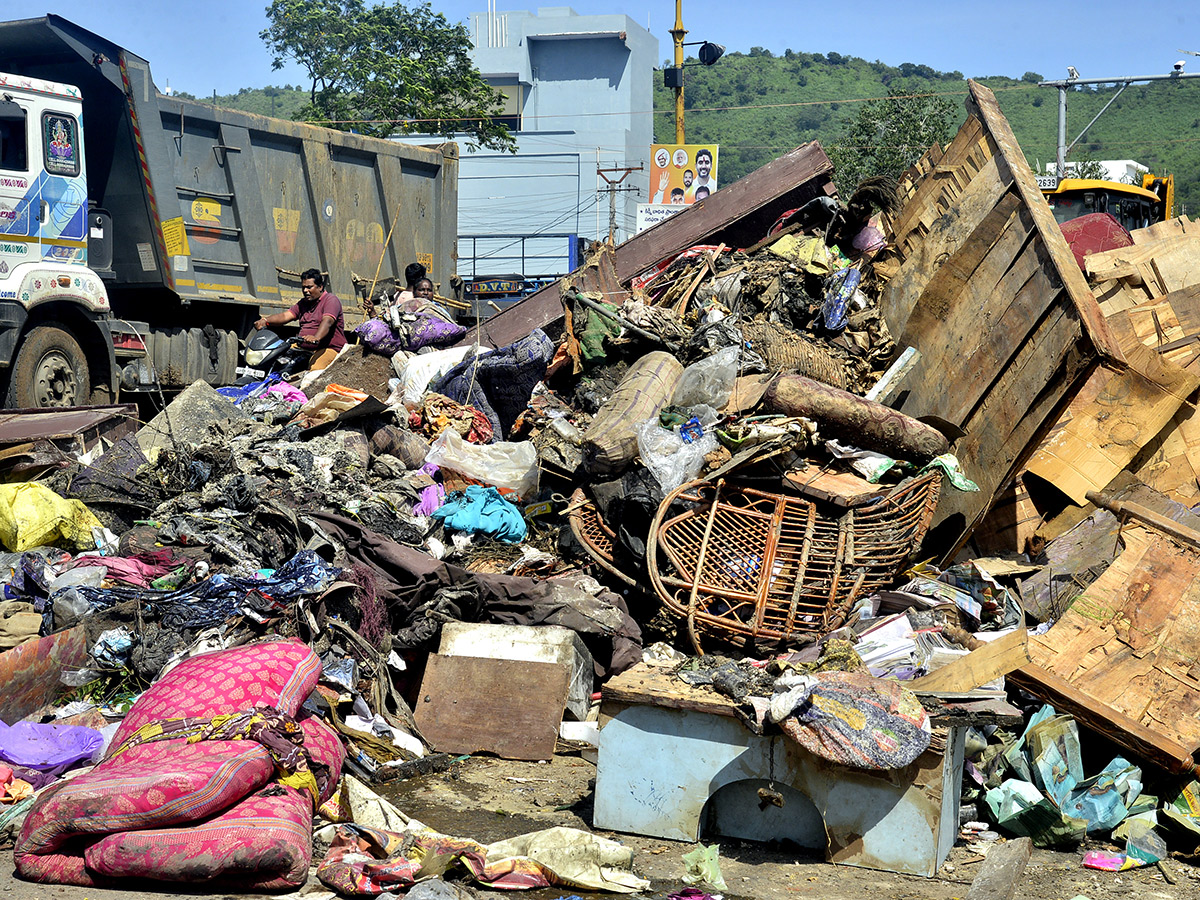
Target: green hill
(757, 106)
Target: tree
(385, 69)
(1085, 165)
(888, 135)
(1032, 77)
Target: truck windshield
(1131, 211)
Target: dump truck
(1134, 205)
(142, 234)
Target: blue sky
(214, 44)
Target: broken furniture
(744, 563)
(508, 707)
(987, 291)
(675, 762)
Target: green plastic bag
(704, 867)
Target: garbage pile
(730, 484)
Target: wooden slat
(950, 232)
(980, 666)
(983, 102)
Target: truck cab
(53, 308)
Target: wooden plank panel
(1105, 434)
(983, 103)
(1128, 643)
(948, 233)
(507, 707)
(1047, 373)
(980, 666)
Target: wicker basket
(778, 568)
(596, 537)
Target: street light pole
(678, 33)
(1124, 81)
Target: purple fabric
(288, 393)
(45, 747)
(431, 331)
(432, 499)
(378, 335)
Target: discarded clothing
(439, 413)
(217, 599)
(855, 720)
(405, 579)
(365, 862)
(481, 510)
(499, 383)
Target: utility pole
(678, 33)
(1124, 81)
(612, 187)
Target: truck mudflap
(178, 357)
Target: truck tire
(51, 371)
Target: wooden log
(864, 423)
(1001, 871)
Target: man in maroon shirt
(322, 326)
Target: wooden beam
(1132, 735)
(987, 663)
(1001, 870)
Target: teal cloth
(481, 510)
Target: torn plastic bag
(32, 515)
(671, 458)
(709, 381)
(47, 747)
(509, 466)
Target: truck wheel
(51, 371)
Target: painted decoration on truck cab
(60, 143)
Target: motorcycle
(268, 353)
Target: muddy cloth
(217, 599)
(858, 721)
(500, 383)
(366, 862)
(113, 479)
(408, 579)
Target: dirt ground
(490, 799)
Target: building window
(510, 116)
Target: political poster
(681, 174)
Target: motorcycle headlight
(255, 357)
